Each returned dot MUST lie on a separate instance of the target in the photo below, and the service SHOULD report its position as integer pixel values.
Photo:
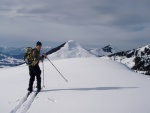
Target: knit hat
(38, 43)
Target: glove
(44, 56)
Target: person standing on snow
(34, 69)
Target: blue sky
(124, 24)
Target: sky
(124, 24)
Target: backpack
(28, 57)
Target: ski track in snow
(24, 105)
(20, 103)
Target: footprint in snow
(51, 100)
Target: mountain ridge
(107, 50)
(137, 59)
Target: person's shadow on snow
(90, 89)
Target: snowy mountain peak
(71, 41)
(70, 49)
(108, 49)
(72, 44)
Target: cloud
(88, 20)
(84, 12)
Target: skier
(34, 69)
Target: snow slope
(70, 49)
(95, 85)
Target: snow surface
(71, 49)
(96, 85)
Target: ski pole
(43, 74)
(57, 70)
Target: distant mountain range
(136, 59)
(11, 56)
(7, 60)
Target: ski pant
(35, 71)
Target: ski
(23, 100)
